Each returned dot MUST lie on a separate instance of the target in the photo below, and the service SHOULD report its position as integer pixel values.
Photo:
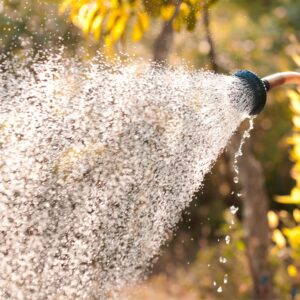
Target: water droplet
(222, 260)
(233, 209)
(227, 239)
(225, 280)
(219, 290)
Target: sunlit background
(262, 259)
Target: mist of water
(97, 162)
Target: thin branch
(211, 53)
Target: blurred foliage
(112, 21)
(33, 25)
(285, 224)
(218, 264)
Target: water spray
(94, 176)
(259, 87)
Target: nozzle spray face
(257, 87)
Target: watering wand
(260, 87)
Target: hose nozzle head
(257, 87)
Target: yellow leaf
(295, 152)
(112, 19)
(77, 17)
(278, 238)
(182, 16)
(64, 5)
(93, 7)
(292, 270)
(296, 121)
(296, 59)
(114, 3)
(272, 219)
(119, 28)
(285, 200)
(184, 9)
(141, 25)
(108, 41)
(177, 24)
(96, 27)
(293, 95)
(108, 48)
(296, 214)
(137, 32)
(167, 11)
(293, 235)
(295, 193)
(294, 101)
(283, 214)
(293, 140)
(293, 198)
(295, 173)
(144, 20)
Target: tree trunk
(255, 224)
(255, 200)
(164, 40)
(163, 43)
(211, 54)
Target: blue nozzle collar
(257, 86)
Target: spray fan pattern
(97, 162)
